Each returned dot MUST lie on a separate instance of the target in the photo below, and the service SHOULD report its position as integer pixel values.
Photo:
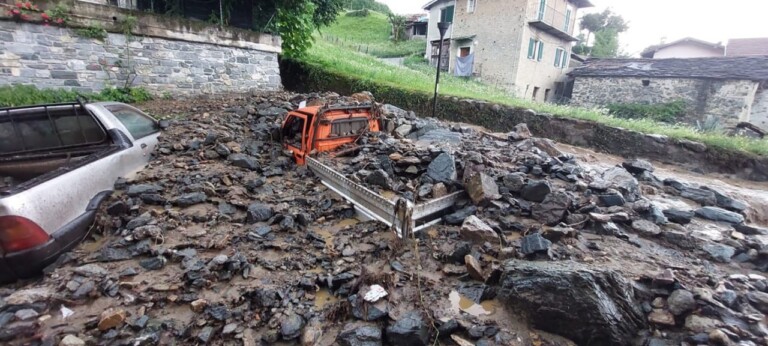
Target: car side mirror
(164, 124)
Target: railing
(560, 20)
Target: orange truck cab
(321, 129)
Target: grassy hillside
(369, 34)
(338, 60)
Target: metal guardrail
(401, 214)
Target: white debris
(66, 312)
(375, 293)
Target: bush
(93, 31)
(668, 112)
(359, 13)
(25, 95)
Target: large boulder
(442, 169)
(482, 188)
(360, 334)
(587, 305)
(410, 329)
(553, 209)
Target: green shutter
(531, 48)
(567, 20)
(558, 52)
(565, 59)
(542, 8)
(541, 51)
(446, 14)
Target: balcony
(555, 22)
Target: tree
(606, 44)
(295, 20)
(398, 27)
(606, 27)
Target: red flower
(29, 5)
(45, 16)
(19, 5)
(24, 17)
(15, 12)
(59, 20)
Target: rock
(442, 169)
(91, 270)
(475, 230)
(637, 166)
(456, 253)
(553, 209)
(218, 312)
(29, 296)
(591, 306)
(403, 130)
(244, 161)
(458, 217)
(719, 338)
(679, 216)
(727, 297)
(360, 334)
(700, 324)
(230, 328)
(759, 300)
(646, 228)
(534, 243)
(681, 301)
(750, 230)
(718, 214)
(519, 133)
(719, 252)
(190, 199)
(153, 263)
(661, 317)
(290, 326)
(367, 311)
(26, 314)
(140, 189)
(117, 208)
(111, 318)
(726, 202)
(258, 212)
(535, 191)
(657, 216)
(379, 177)
(205, 334)
(612, 199)
(514, 182)
(198, 305)
(701, 196)
(71, 340)
(410, 329)
(620, 179)
(84, 290)
(461, 342)
(474, 268)
(439, 190)
(482, 188)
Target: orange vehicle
(311, 130)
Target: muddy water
(328, 232)
(323, 298)
(462, 303)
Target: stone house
(688, 47)
(416, 26)
(523, 46)
(733, 89)
(747, 46)
(439, 10)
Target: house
(439, 11)
(416, 26)
(688, 47)
(520, 45)
(747, 47)
(733, 89)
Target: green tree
(607, 26)
(606, 44)
(398, 27)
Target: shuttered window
(541, 51)
(542, 8)
(558, 55)
(446, 14)
(531, 48)
(567, 26)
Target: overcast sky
(652, 20)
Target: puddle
(328, 232)
(462, 303)
(93, 246)
(323, 298)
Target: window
(646, 82)
(535, 92)
(567, 27)
(561, 57)
(541, 51)
(446, 14)
(542, 9)
(471, 5)
(348, 127)
(59, 127)
(535, 49)
(293, 130)
(139, 125)
(546, 94)
(531, 48)
(464, 51)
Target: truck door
(143, 130)
(295, 134)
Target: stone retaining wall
(53, 57)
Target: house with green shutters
(523, 46)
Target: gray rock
(84, 290)
(410, 329)
(244, 161)
(139, 221)
(533, 243)
(135, 190)
(229, 328)
(458, 217)
(290, 326)
(681, 217)
(759, 300)
(442, 169)
(258, 212)
(620, 179)
(553, 209)
(360, 334)
(475, 230)
(519, 133)
(26, 314)
(727, 297)
(482, 188)
(403, 130)
(190, 199)
(750, 230)
(366, 311)
(591, 306)
(535, 191)
(71, 340)
(153, 263)
(646, 228)
(637, 166)
(728, 203)
(379, 178)
(205, 334)
(701, 196)
(91, 269)
(719, 252)
(611, 199)
(514, 182)
(718, 214)
(657, 216)
(681, 301)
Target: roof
(747, 46)
(434, 2)
(650, 51)
(748, 68)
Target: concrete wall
(759, 114)
(729, 100)
(432, 33)
(688, 50)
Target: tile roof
(749, 68)
(747, 46)
(650, 51)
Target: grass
(24, 95)
(370, 35)
(419, 77)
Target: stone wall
(729, 100)
(53, 57)
(759, 115)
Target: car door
(143, 131)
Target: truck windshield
(46, 128)
(292, 131)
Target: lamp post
(443, 27)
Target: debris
(482, 188)
(290, 326)
(409, 329)
(71, 340)
(681, 301)
(475, 230)
(360, 334)
(66, 312)
(111, 318)
(375, 293)
(474, 268)
(534, 243)
(718, 214)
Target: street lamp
(443, 27)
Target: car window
(139, 125)
(348, 127)
(34, 129)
